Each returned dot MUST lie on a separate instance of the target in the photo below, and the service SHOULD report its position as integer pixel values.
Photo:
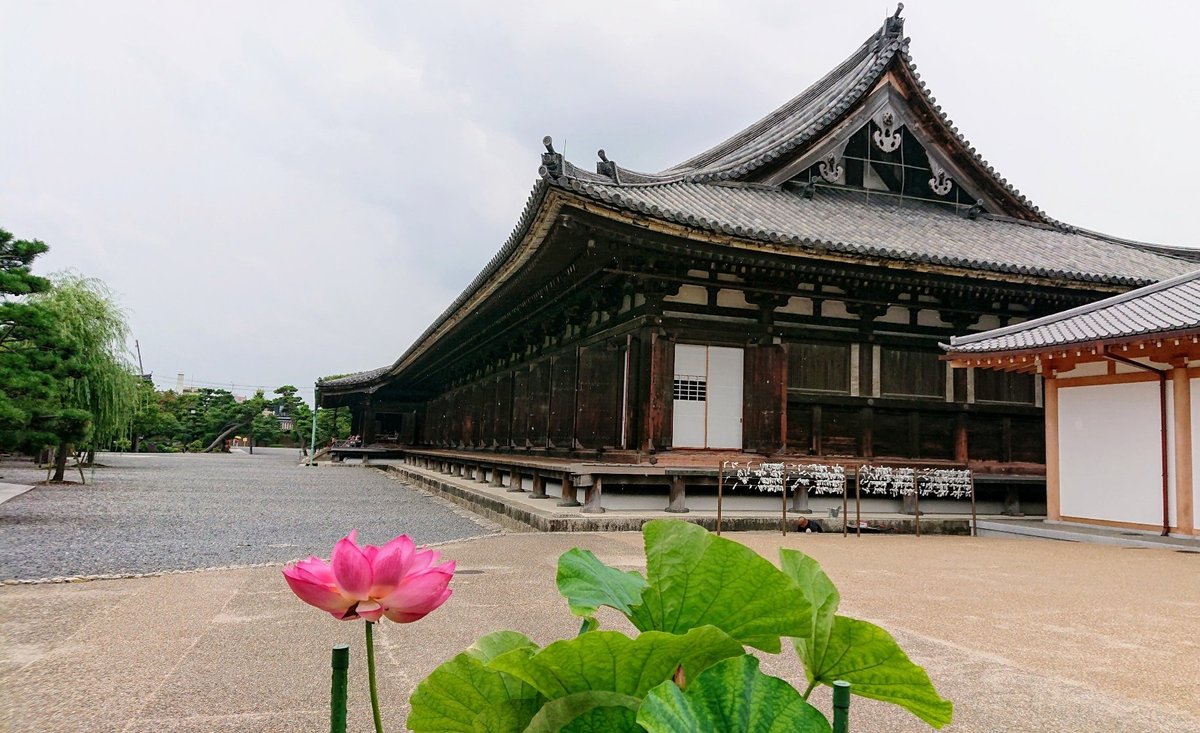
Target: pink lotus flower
(396, 580)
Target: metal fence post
(841, 706)
(337, 692)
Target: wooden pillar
(677, 499)
(481, 473)
(961, 439)
(497, 477)
(800, 501)
(514, 482)
(1053, 506)
(539, 487)
(570, 496)
(368, 426)
(1181, 391)
(592, 497)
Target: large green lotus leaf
(732, 696)
(872, 662)
(587, 584)
(464, 695)
(697, 578)
(512, 715)
(584, 712)
(613, 662)
(823, 597)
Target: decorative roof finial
(606, 167)
(974, 212)
(552, 162)
(894, 26)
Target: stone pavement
(144, 513)
(1022, 636)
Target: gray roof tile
(1169, 306)
(883, 225)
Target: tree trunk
(251, 445)
(228, 431)
(91, 456)
(60, 462)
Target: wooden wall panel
(1028, 440)
(840, 431)
(937, 435)
(657, 369)
(985, 438)
(601, 378)
(521, 407)
(539, 403)
(468, 410)
(764, 398)
(800, 428)
(503, 412)
(487, 413)
(563, 385)
(889, 433)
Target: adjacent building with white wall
(1122, 399)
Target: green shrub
(195, 446)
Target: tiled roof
(816, 110)
(802, 118)
(1169, 306)
(351, 380)
(882, 225)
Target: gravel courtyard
(143, 513)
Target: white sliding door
(707, 397)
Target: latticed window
(690, 388)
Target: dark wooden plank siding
(819, 367)
(503, 410)
(601, 378)
(764, 398)
(563, 386)
(487, 413)
(521, 407)
(539, 403)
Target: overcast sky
(280, 191)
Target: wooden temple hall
(780, 295)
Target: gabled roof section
(877, 79)
(1171, 306)
(807, 115)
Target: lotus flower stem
(371, 678)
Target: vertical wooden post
(539, 487)
(516, 482)
(1181, 391)
(857, 507)
(677, 498)
(783, 520)
(1053, 506)
(593, 496)
(720, 493)
(570, 495)
(917, 506)
(974, 520)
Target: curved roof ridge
(841, 87)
